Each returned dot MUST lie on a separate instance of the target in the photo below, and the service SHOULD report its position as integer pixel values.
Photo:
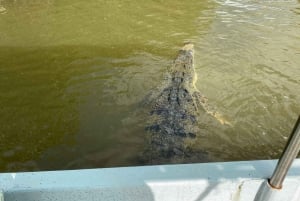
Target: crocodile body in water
(174, 113)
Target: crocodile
(174, 114)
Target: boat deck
(188, 182)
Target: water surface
(74, 74)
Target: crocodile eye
(191, 135)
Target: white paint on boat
(232, 181)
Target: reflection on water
(254, 54)
(73, 76)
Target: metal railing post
(269, 190)
(290, 152)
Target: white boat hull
(232, 181)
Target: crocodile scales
(174, 113)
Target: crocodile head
(183, 72)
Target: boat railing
(272, 186)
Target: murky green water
(73, 75)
